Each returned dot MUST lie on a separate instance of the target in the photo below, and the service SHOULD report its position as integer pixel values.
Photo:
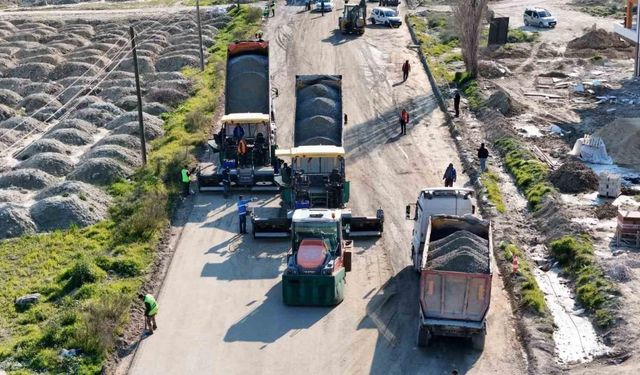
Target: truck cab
(319, 258)
(436, 201)
(317, 177)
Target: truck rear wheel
(424, 335)
(477, 340)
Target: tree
(467, 15)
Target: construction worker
(238, 133)
(322, 7)
(242, 152)
(150, 312)
(449, 176)
(346, 119)
(456, 103)
(243, 205)
(259, 36)
(186, 181)
(226, 182)
(273, 8)
(309, 5)
(406, 68)
(404, 120)
(483, 154)
(286, 173)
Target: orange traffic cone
(515, 263)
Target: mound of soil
(81, 189)
(75, 123)
(622, 139)
(574, 177)
(95, 116)
(151, 131)
(505, 104)
(112, 94)
(37, 51)
(62, 212)
(34, 71)
(6, 112)
(606, 211)
(50, 88)
(10, 98)
(145, 65)
(14, 84)
(29, 179)
(107, 107)
(87, 101)
(72, 69)
(23, 124)
(128, 103)
(100, 171)
(70, 136)
(34, 102)
(154, 108)
(183, 85)
(598, 39)
(125, 140)
(8, 137)
(43, 145)
(551, 221)
(125, 155)
(168, 96)
(53, 163)
(133, 117)
(15, 221)
(176, 63)
(48, 59)
(6, 64)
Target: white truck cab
(436, 201)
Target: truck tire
(477, 340)
(424, 336)
(347, 261)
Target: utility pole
(143, 142)
(200, 35)
(637, 69)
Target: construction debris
(606, 211)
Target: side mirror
(407, 212)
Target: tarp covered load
(591, 149)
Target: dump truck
(246, 142)
(319, 259)
(451, 251)
(353, 19)
(314, 196)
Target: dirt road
(221, 309)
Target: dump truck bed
(318, 118)
(455, 279)
(247, 83)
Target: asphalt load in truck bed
(318, 111)
(248, 84)
(460, 251)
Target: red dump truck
(452, 255)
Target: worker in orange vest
(404, 120)
(242, 152)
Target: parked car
(539, 17)
(328, 6)
(385, 16)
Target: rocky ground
(68, 109)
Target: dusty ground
(221, 305)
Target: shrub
(82, 272)
(520, 36)
(96, 330)
(197, 121)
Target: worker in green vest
(150, 312)
(186, 181)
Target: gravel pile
(315, 126)
(176, 63)
(461, 251)
(22, 124)
(72, 69)
(100, 171)
(133, 117)
(127, 156)
(151, 131)
(75, 123)
(53, 163)
(6, 112)
(43, 145)
(167, 96)
(154, 108)
(15, 221)
(34, 102)
(95, 116)
(574, 177)
(61, 212)
(10, 98)
(82, 190)
(127, 141)
(248, 84)
(28, 179)
(73, 137)
(36, 71)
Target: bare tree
(467, 15)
